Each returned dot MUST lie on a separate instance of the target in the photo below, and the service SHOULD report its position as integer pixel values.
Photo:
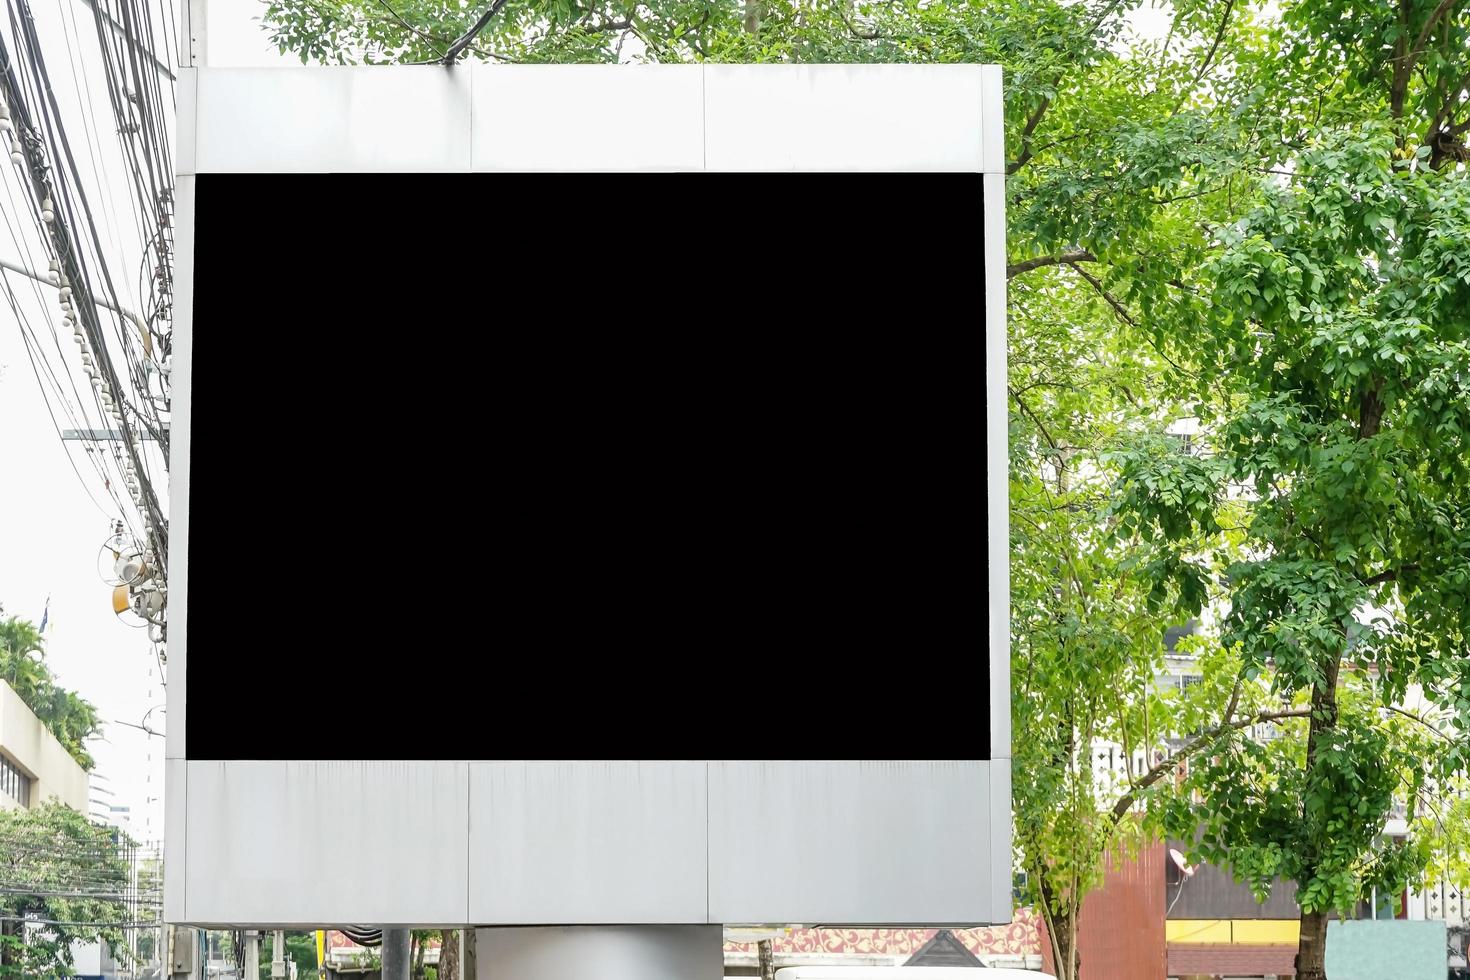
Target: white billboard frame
(231, 827)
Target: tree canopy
(62, 881)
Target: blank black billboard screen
(588, 467)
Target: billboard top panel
(498, 118)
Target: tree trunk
(767, 959)
(467, 965)
(753, 17)
(449, 954)
(1064, 948)
(1311, 951)
(1311, 947)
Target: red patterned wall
(1020, 938)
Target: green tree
(61, 882)
(23, 666)
(22, 660)
(1337, 341)
(366, 31)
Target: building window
(14, 783)
(1178, 682)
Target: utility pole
(183, 957)
(102, 435)
(128, 315)
(396, 943)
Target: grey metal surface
(476, 117)
(587, 842)
(327, 120)
(287, 843)
(606, 952)
(850, 842)
(843, 117)
(449, 843)
(587, 118)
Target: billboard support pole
(646, 952)
(396, 954)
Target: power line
(57, 194)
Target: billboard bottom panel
(310, 843)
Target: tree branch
(1443, 115)
(399, 17)
(1066, 258)
(1034, 119)
(1209, 55)
(465, 40)
(1411, 715)
(1124, 315)
(1391, 575)
(1423, 38)
(607, 28)
(852, 28)
(1026, 411)
(1032, 122)
(1118, 307)
(1126, 801)
(1399, 84)
(1234, 697)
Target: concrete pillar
(617, 952)
(396, 946)
(252, 955)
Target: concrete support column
(395, 949)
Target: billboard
(600, 472)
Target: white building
(34, 766)
(105, 809)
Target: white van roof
(905, 973)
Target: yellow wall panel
(1266, 930)
(1250, 932)
(1197, 930)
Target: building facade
(34, 766)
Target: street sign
(611, 464)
